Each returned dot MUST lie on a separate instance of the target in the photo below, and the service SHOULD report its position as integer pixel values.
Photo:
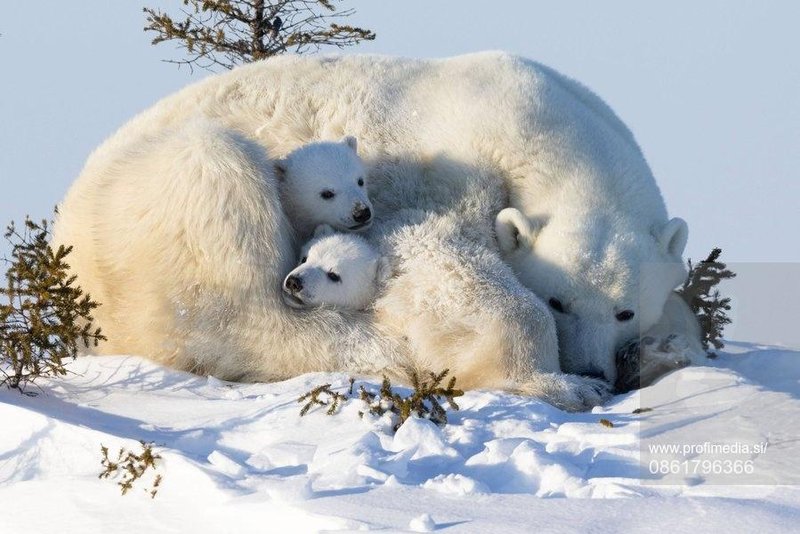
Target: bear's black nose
(361, 214)
(294, 284)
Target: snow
(423, 523)
(239, 458)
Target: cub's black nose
(361, 214)
(294, 284)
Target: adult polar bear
(178, 229)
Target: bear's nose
(294, 284)
(361, 213)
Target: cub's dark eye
(556, 305)
(327, 194)
(360, 182)
(304, 259)
(333, 277)
(625, 315)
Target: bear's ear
(352, 142)
(280, 169)
(672, 237)
(383, 270)
(323, 230)
(513, 230)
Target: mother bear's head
(605, 279)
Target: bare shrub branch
(226, 33)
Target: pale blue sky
(710, 89)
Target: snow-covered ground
(238, 458)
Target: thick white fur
(178, 231)
(184, 242)
(358, 267)
(457, 304)
(329, 167)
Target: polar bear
(454, 300)
(325, 182)
(605, 278)
(185, 243)
(340, 270)
(179, 232)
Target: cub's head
(341, 270)
(604, 283)
(326, 183)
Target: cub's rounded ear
(383, 270)
(672, 237)
(513, 230)
(352, 142)
(280, 168)
(323, 230)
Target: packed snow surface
(239, 458)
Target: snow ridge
(237, 457)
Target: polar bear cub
(325, 182)
(340, 270)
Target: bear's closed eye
(557, 305)
(625, 315)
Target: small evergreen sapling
(44, 315)
(639, 361)
(700, 293)
(424, 401)
(132, 467)
(313, 398)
